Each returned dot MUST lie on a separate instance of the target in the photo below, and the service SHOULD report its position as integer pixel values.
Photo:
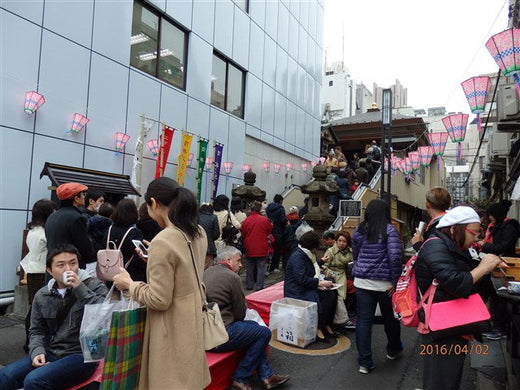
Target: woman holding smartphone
(172, 295)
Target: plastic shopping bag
(252, 315)
(95, 326)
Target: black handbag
(230, 232)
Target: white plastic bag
(252, 315)
(95, 326)
(294, 321)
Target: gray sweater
(45, 334)
(224, 287)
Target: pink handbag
(462, 316)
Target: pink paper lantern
(121, 139)
(246, 167)
(313, 163)
(267, 166)
(209, 162)
(277, 168)
(228, 166)
(322, 160)
(190, 158)
(78, 122)
(153, 146)
(415, 160)
(425, 154)
(504, 47)
(304, 166)
(33, 101)
(476, 90)
(289, 167)
(456, 127)
(438, 142)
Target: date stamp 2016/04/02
(455, 349)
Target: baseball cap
(460, 215)
(69, 190)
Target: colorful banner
(182, 161)
(164, 149)
(201, 162)
(216, 170)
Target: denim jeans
(254, 338)
(61, 373)
(255, 272)
(367, 301)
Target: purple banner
(216, 169)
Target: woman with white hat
(447, 259)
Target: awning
(107, 182)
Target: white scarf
(312, 256)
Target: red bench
(261, 300)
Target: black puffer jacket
(443, 260)
(505, 236)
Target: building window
(227, 86)
(331, 83)
(244, 4)
(152, 33)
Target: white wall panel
(304, 14)
(256, 51)
(310, 66)
(253, 131)
(312, 19)
(19, 65)
(64, 82)
(200, 55)
(224, 27)
(253, 103)
(281, 70)
(107, 101)
(16, 148)
(270, 62)
(257, 11)
(290, 122)
(302, 47)
(106, 160)
(319, 26)
(294, 29)
(271, 18)
(280, 108)
(174, 106)
(218, 126)
(204, 19)
(31, 10)
(267, 109)
(72, 19)
(180, 11)
(292, 79)
(113, 29)
(295, 8)
(283, 27)
(299, 138)
(198, 118)
(241, 38)
(235, 146)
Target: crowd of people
(184, 241)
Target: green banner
(201, 162)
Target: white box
(294, 321)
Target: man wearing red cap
(68, 225)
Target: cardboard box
(294, 321)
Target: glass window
(244, 4)
(169, 65)
(227, 86)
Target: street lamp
(386, 129)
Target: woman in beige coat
(173, 349)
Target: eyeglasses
(472, 231)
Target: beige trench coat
(173, 350)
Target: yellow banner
(182, 162)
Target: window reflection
(218, 83)
(227, 86)
(234, 93)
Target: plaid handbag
(124, 350)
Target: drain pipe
(6, 299)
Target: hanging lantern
(289, 167)
(476, 90)
(322, 160)
(209, 162)
(153, 146)
(415, 160)
(267, 166)
(313, 163)
(438, 143)
(246, 167)
(277, 168)
(121, 140)
(425, 154)
(190, 158)
(456, 127)
(78, 122)
(228, 166)
(304, 166)
(33, 101)
(504, 47)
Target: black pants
(327, 307)
(277, 246)
(442, 370)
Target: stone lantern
(249, 192)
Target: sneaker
(494, 335)
(394, 357)
(350, 324)
(366, 370)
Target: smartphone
(139, 244)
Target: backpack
(404, 299)
(110, 259)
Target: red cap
(69, 190)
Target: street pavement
(333, 371)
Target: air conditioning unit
(508, 108)
(500, 144)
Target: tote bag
(124, 350)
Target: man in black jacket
(68, 225)
(276, 213)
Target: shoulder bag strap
(108, 236)
(123, 239)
